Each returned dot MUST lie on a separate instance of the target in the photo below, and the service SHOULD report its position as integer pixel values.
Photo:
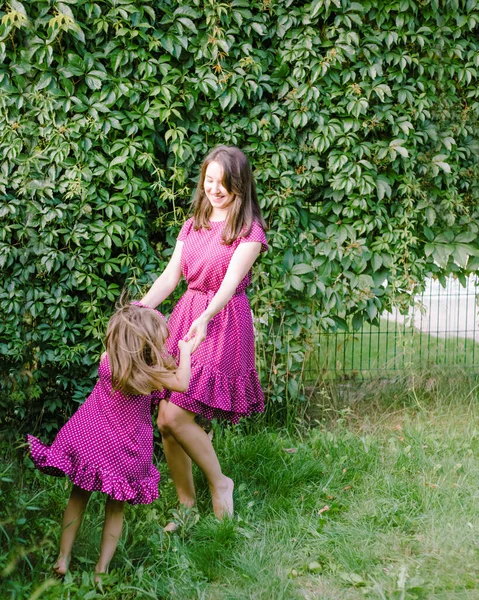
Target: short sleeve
(256, 235)
(157, 395)
(185, 230)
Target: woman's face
(215, 191)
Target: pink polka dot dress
(224, 383)
(106, 446)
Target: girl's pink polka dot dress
(106, 446)
(224, 383)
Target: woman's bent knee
(164, 427)
(172, 419)
(162, 420)
(166, 424)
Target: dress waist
(210, 293)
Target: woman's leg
(181, 425)
(111, 534)
(179, 463)
(72, 518)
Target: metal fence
(442, 329)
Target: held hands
(197, 331)
(187, 345)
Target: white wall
(446, 312)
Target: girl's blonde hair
(135, 344)
(237, 179)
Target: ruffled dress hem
(92, 478)
(214, 395)
(212, 412)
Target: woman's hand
(197, 331)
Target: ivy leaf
(473, 264)
(168, 43)
(397, 145)
(467, 236)
(441, 254)
(376, 261)
(93, 82)
(188, 23)
(297, 283)
(357, 321)
(430, 216)
(460, 255)
(257, 27)
(18, 7)
(119, 160)
(383, 187)
(64, 9)
(438, 161)
(288, 260)
(316, 6)
(225, 99)
(301, 269)
(293, 388)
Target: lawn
(376, 498)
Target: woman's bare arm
(167, 281)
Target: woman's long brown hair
(237, 179)
(135, 344)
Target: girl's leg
(111, 534)
(195, 442)
(179, 463)
(72, 518)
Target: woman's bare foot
(223, 499)
(170, 527)
(61, 566)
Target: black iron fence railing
(442, 329)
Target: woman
(215, 251)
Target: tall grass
(375, 496)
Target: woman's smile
(215, 191)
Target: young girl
(107, 445)
(215, 251)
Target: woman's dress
(224, 383)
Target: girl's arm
(179, 380)
(167, 281)
(240, 263)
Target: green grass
(377, 500)
(387, 349)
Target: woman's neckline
(222, 221)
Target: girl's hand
(178, 381)
(186, 345)
(197, 332)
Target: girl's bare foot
(99, 575)
(223, 499)
(185, 504)
(61, 566)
